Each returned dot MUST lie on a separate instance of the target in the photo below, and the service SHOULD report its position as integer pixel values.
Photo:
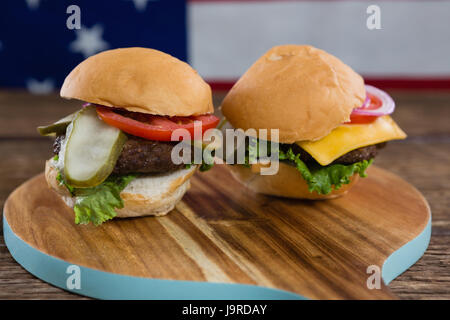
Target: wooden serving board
(223, 233)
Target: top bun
(141, 80)
(300, 90)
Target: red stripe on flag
(382, 83)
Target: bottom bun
(288, 182)
(148, 195)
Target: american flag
(221, 38)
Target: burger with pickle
(113, 156)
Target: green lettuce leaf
(63, 182)
(322, 179)
(203, 167)
(98, 204)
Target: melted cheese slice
(348, 137)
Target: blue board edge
(400, 261)
(105, 285)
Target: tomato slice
(375, 103)
(360, 119)
(153, 127)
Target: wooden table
(423, 160)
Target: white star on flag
(32, 4)
(40, 87)
(141, 5)
(89, 41)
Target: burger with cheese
(113, 156)
(331, 126)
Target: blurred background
(393, 44)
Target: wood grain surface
(422, 159)
(223, 232)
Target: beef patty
(140, 156)
(148, 156)
(364, 153)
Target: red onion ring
(387, 104)
(366, 103)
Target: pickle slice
(59, 127)
(91, 150)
